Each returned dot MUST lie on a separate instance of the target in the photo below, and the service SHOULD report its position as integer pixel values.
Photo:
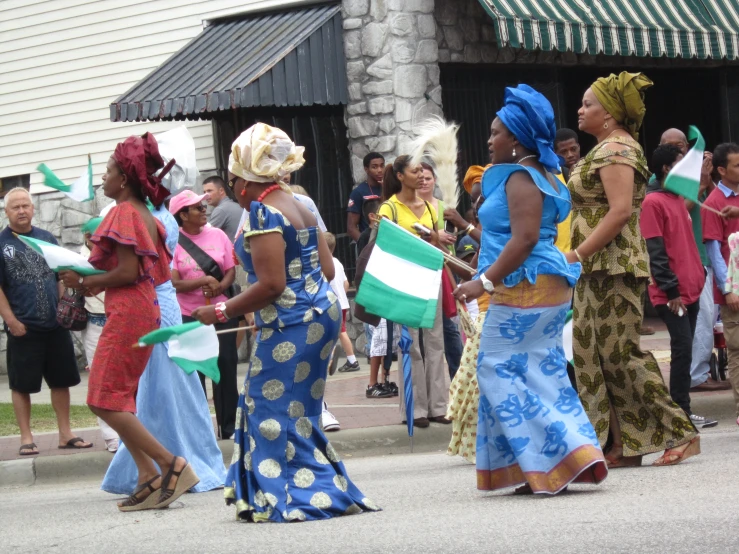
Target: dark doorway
(326, 174)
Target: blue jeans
(452, 346)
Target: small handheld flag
(684, 179)
(58, 258)
(192, 346)
(81, 190)
(403, 277)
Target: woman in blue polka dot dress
(283, 467)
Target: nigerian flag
(403, 276)
(81, 190)
(684, 179)
(192, 346)
(58, 258)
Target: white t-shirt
(337, 285)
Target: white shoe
(111, 445)
(330, 423)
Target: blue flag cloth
(530, 117)
(405, 347)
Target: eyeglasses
(199, 207)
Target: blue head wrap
(530, 117)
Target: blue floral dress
(531, 427)
(283, 467)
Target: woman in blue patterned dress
(283, 467)
(532, 429)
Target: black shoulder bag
(205, 262)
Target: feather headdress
(436, 143)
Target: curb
(351, 443)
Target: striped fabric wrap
(687, 29)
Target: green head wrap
(92, 225)
(622, 96)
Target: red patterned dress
(131, 311)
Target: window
(7, 183)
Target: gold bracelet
(579, 257)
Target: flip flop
(72, 444)
(333, 360)
(28, 446)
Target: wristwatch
(221, 314)
(81, 279)
(487, 284)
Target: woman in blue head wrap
(532, 429)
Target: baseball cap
(183, 200)
(467, 247)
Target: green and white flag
(58, 258)
(402, 279)
(684, 179)
(192, 346)
(81, 190)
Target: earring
(243, 191)
(605, 125)
(514, 152)
(123, 186)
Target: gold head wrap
(473, 175)
(622, 96)
(265, 154)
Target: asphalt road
(430, 505)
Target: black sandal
(186, 479)
(28, 447)
(133, 503)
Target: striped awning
(673, 28)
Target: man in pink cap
(203, 273)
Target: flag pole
(709, 208)
(222, 332)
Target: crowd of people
(550, 232)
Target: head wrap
(622, 96)
(530, 117)
(473, 175)
(92, 225)
(265, 154)
(139, 159)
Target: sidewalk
(344, 395)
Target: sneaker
(392, 387)
(703, 422)
(349, 367)
(111, 445)
(377, 391)
(330, 423)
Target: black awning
(285, 58)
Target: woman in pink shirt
(202, 274)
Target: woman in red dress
(129, 245)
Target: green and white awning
(673, 28)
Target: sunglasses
(232, 182)
(198, 207)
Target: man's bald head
(677, 138)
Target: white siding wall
(63, 62)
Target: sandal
(618, 461)
(133, 503)
(693, 449)
(72, 444)
(30, 449)
(186, 479)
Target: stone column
(393, 72)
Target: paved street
(430, 505)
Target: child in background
(95, 307)
(340, 285)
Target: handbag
(205, 262)
(70, 312)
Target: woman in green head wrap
(620, 386)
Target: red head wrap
(139, 159)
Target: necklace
(267, 191)
(526, 158)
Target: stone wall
(392, 57)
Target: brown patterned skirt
(613, 372)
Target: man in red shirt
(678, 276)
(716, 231)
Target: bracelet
(469, 229)
(221, 314)
(579, 257)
